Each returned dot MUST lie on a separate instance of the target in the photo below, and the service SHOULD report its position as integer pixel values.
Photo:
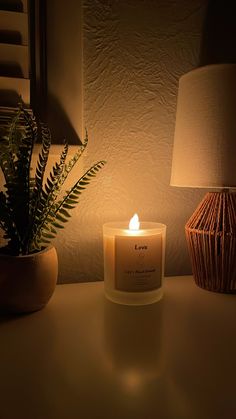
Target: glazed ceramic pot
(27, 282)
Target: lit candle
(134, 257)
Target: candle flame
(134, 223)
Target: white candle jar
(134, 262)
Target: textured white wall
(134, 53)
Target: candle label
(138, 263)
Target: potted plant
(32, 210)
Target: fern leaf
(43, 155)
(8, 226)
(73, 194)
(31, 210)
(48, 196)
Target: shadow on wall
(219, 34)
(9, 97)
(60, 124)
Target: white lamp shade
(204, 153)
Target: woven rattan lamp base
(211, 239)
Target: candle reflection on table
(133, 342)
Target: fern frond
(23, 167)
(8, 226)
(53, 184)
(13, 137)
(59, 216)
(15, 160)
(43, 157)
(69, 166)
(46, 197)
(31, 210)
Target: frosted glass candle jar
(134, 262)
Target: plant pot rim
(7, 255)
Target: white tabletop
(83, 357)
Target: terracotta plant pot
(27, 282)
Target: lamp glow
(205, 139)
(134, 223)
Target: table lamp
(204, 156)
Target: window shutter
(14, 53)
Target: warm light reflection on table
(133, 342)
(85, 357)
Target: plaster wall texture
(134, 53)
